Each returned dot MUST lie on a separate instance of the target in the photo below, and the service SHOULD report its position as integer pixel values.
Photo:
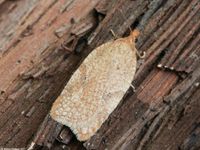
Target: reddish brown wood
(43, 42)
(33, 62)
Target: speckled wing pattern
(96, 88)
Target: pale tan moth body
(96, 87)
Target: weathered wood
(108, 135)
(34, 69)
(163, 113)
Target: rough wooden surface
(34, 64)
(42, 42)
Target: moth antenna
(131, 85)
(113, 33)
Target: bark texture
(42, 42)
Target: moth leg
(70, 45)
(131, 85)
(69, 50)
(114, 35)
(140, 55)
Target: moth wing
(95, 88)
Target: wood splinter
(97, 86)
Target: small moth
(97, 86)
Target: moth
(97, 86)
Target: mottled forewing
(96, 88)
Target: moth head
(132, 37)
(134, 34)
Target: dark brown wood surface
(42, 42)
